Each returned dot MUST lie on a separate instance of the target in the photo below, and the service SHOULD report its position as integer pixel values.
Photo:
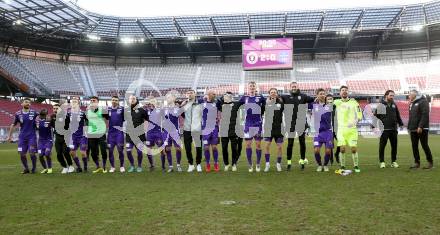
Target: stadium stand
(373, 86)
(419, 81)
(54, 75)
(363, 76)
(435, 111)
(403, 106)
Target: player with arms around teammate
(273, 127)
(135, 117)
(230, 129)
(27, 139)
(210, 130)
(172, 114)
(348, 114)
(322, 121)
(254, 105)
(96, 130)
(76, 120)
(334, 155)
(156, 134)
(63, 155)
(45, 126)
(295, 112)
(115, 137)
(192, 128)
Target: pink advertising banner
(261, 54)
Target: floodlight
(93, 37)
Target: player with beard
(348, 114)
(27, 139)
(295, 106)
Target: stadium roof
(51, 17)
(63, 28)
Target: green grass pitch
(392, 201)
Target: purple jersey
(115, 119)
(321, 116)
(27, 122)
(155, 117)
(45, 129)
(171, 126)
(76, 121)
(172, 114)
(209, 117)
(253, 115)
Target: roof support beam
(118, 32)
(155, 44)
(92, 27)
(144, 30)
(352, 33)
(285, 25)
(18, 16)
(54, 30)
(42, 13)
(248, 21)
(178, 28)
(428, 36)
(215, 33)
(318, 31)
(39, 12)
(30, 12)
(187, 43)
(388, 31)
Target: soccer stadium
(178, 110)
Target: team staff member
(297, 127)
(273, 128)
(61, 148)
(418, 126)
(389, 115)
(192, 129)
